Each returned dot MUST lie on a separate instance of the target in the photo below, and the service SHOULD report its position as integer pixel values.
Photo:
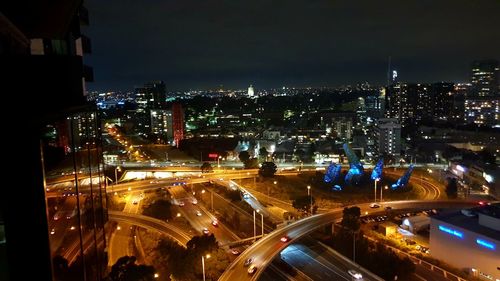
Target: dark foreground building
(53, 211)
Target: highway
(199, 217)
(267, 248)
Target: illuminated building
(482, 111)
(442, 100)
(388, 137)
(408, 103)
(469, 240)
(250, 91)
(178, 122)
(485, 77)
(162, 123)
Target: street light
(118, 168)
(261, 223)
(275, 184)
(309, 192)
(375, 190)
(381, 189)
(203, 264)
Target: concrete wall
(464, 252)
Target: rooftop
(471, 223)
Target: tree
(350, 218)
(206, 167)
(202, 244)
(252, 163)
(160, 209)
(234, 195)
(303, 203)
(263, 153)
(244, 156)
(125, 269)
(268, 169)
(452, 188)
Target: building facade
(388, 137)
(55, 214)
(178, 123)
(469, 240)
(485, 78)
(162, 123)
(482, 111)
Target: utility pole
(254, 229)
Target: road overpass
(152, 224)
(267, 248)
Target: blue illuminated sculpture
(403, 181)
(332, 175)
(355, 167)
(377, 171)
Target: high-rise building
(408, 103)
(482, 111)
(151, 96)
(442, 100)
(162, 124)
(55, 212)
(388, 137)
(374, 106)
(178, 122)
(250, 91)
(485, 78)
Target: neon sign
(451, 231)
(485, 244)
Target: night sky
(202, 44)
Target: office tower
(388, 137)
(485, 78)
(178, 122)
(54, 209)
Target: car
(235, 252)
(248, 261)
(215, 223)
(374, 205)
(355, 274)
(388, 208)
(252, 269)
(181, 204)
(284, 239)
(194, 202)
(205, 231)
(135, 202)
(246, 195)
(198, 213)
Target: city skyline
(270, 45)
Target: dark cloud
(203, 44)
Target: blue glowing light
(451, 231)
(485, 244)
